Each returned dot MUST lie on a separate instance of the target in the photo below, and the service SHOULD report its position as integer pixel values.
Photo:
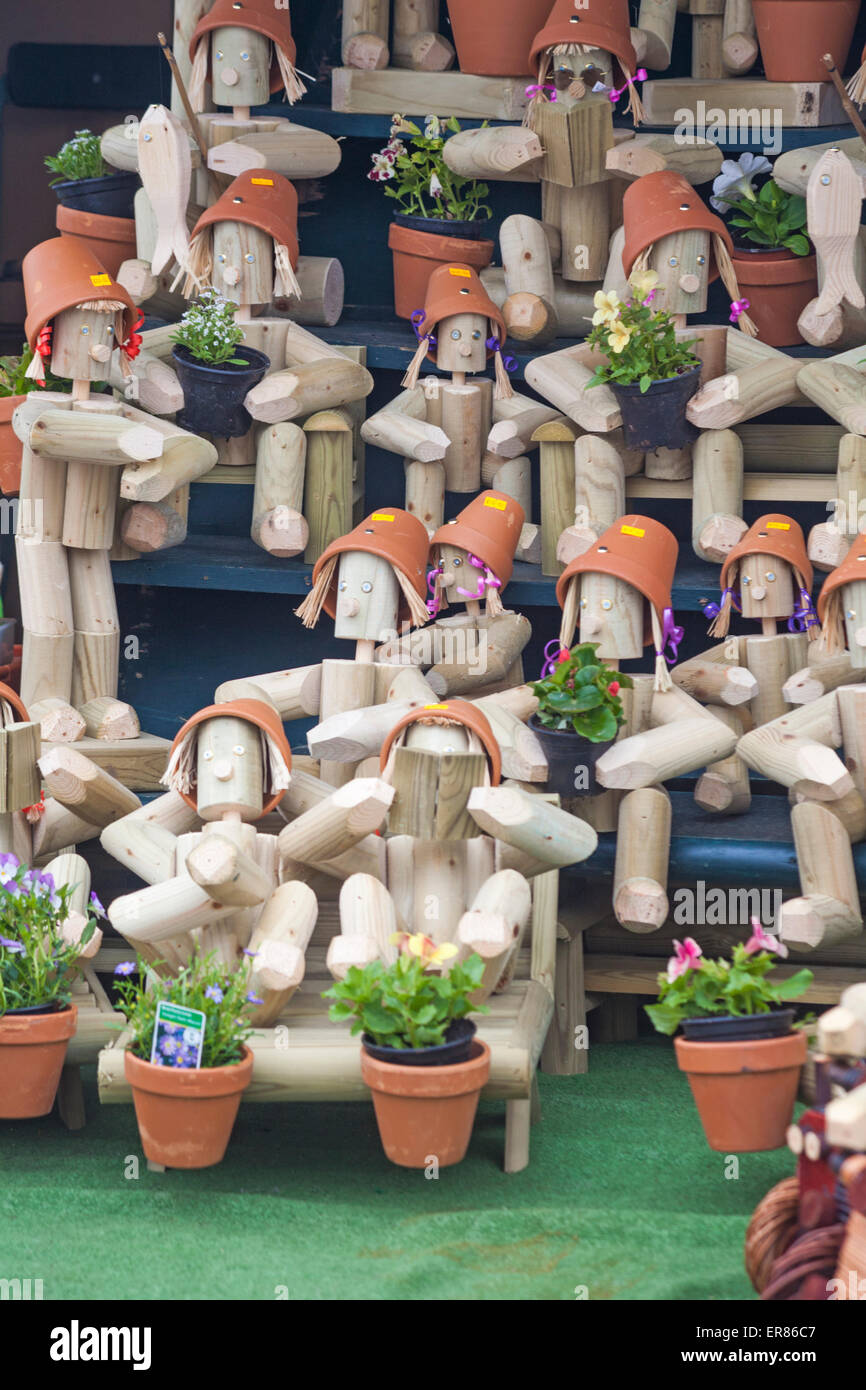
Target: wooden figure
(834, 196)
(448, 430)
(842, 607)
(79, 452)
(245, 49)
(617, 594)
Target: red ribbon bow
(132, 346)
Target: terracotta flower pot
(10, 447)
(795, 34)
(493, 37)
(32, 1053)
(418, 253)
(778, 286)
(185, 1118)
(424, 1111)
(111, 239)
(744, 1091)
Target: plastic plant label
(178, 1036)
(382, 516)
(266, 183)
(100, 280)
(633, 531)
(498, 502)
(464, 274)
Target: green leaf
(798, 244)
(794, 985)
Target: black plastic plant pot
(571, 760)
(51, 1008)
(739, 1028)
(656, 418)
(444, 226)
(110, 196)
(213, 397)
(456, 1048)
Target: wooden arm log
(415, 42)
(185, 457)
(723, 789)
(226, 874)
(402, 428)
(368, 920)
(294, 694)
(119, 145)
(57, 829)
(741, 395)
(655, 32)
(713, 678)
(57, 720)
(494, 927)
(166, 913)
(821, 677)
(522, 755)
(500, 642)
(276, 949)
(155, 382)
(307, 388)
(697, 159)
(504, 153)
(739, 44)
(277, 524)
(643, 842)
(73, 871)
(109, 719)
(796, 750)
(845, 1122)
(322, 285)
(81, 786)
(829, 910)
(670, 750)
(149, 850)
(338, 823)
(717, 494)
(839, 389)
(793, 169)
(842, 1030)
(562, 378)
(572, 299)
(514, 424)
(103, 439)
(296, 151)
(527, 823)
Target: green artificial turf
(622, 1197)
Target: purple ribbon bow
(494, 345)
(536, 89)
(487, 580)
(805, 616)
(616, 93)
(434, 602)
(671, 636)
(712, 610)
(738, 307)
(416, 321)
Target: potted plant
(95, 203)
(440, 217)
(739, 1048)
(419, 1054)
(493, 38)
(14, 386)
(186, 1083)
(215, 367)
(794, 35)
(772, 253)
(37, 963)
(651, 373)
(579, 715)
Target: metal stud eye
(455, 333)
(825, 179)
(85, 330)
(477, 334)
(770, 575)
(245, 57)
(464, 291)
(457, 562)
(147, 137)
(746, 579)
(219, 55)
(342, 585)
(221, 258)
(249, 257)
(861, 557)
(366, 587)
(702, 260)
(239, 749)
(851, 613)
(673, 261)
(606, 604)
(583, 603)
(368, 531)
(207, 754)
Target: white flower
(435, 186)
(432, 127)
(735, 180)
(383, 168)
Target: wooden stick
(180, 87)
(850, 109)
(337, 824)
(670, 750)
(527, 823)
(494, 927)
(368, 920)
(89, 791)
(642, 848)
(724, 788)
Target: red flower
(613, 688)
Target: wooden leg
(517, 1122)
(70, 1098)
(534, 1102)
(562, 1056)
(617, 1020)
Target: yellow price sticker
(100, 279)
(498, 502)
(381, 516)
(632, 531)
(778, 525)
(435, 706)
(266, 183)
(466, 274)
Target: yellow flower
(643, 282)
(606, 307)
(424, 947)
(618, 337)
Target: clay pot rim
(203, 1083)
(773, 266)
(743, 1057)
(412, 242)
(99, 225)
(36, 1029)
(8, 406)
(428, 1083)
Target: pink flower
(688, 957)
(762, 941)
(649, 299)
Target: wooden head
(243, 262)
(854, 617)
(682, 263)
(461, 343)
(576, 69)
(610, 612)
(457, 573)
(240, 67)
(368, 597)
(82, 342)
(438, 738)
(229, 769)
(767, 587)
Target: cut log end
(282, 532)
(641, 905)
(366, 51)
(719, 535)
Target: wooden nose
(231, 274)
(689, 283)
(100, 352)
(229, 76)
(223, 770)
(349, 607)
(860, 637)
(757, 592)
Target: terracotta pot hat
(773, 534)
(11, 697)
(597, 24)
(456, 289)
(830, 599)
(643, 553)
(259, 198)
(489, 528)
(663, 204)
(395, 536)
(180, 773)
(263, 17)
(60, 274)
(450, 712)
